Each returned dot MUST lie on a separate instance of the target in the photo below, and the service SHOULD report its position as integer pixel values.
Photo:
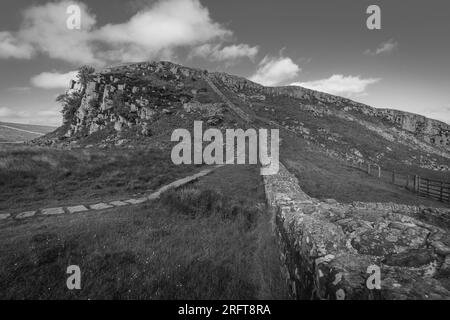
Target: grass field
(209, 240)
(32, 177)
(323, 177)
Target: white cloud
(338, 84)
(155, 31)
(231, 52)
(384, 48)
(10, 47)
(164, 26)
(53, 80)
(44, 27)
(275, 71)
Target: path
(227, 101)
(105, 205)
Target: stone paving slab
(154, 196)
(100, 206)
(137, 201)
(119, 203)
(75, 209)
(53, 211)
(26, 214)
(4, 216)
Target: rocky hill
(146, 101)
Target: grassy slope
(29, 127)
(11, 135)
(210, 240)
(32, 177)
(323, 177)
(351, 135)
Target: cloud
(338, 84)
(155, 31)
(10, 47)
(231, 52)
(164, 26)
(50, 116)
(384, 48)
(275, 71)
(45, 28)
(53, 80)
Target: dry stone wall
(327, 248)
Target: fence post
(379, 172)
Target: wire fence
(430, 188)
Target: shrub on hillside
(85, 74)
(70, 103)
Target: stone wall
(326, 247)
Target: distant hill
(18, 132)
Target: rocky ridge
(429, 130)
(133, 96)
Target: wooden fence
(435, 189)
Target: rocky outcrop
(333, 251)
(132, 96)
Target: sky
(318, 44)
